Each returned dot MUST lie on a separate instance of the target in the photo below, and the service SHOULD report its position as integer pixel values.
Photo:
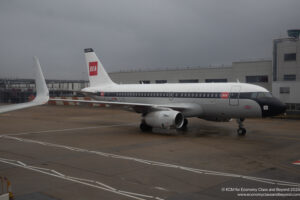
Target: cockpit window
(264, 94)
(254, 95)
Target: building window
(189, 81)
(218, 80)
(144, 82)
(297, 106)
(284, 90)
(293, 106)
(290, 57)
(289, 77)
(256, 79)
(161, 81)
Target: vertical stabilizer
(96, 72)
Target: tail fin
(97, 74)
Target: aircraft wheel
(241, 131)
(144, 127)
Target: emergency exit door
(234, 95)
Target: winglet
(42, 92)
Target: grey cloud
(137, 34)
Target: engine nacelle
(164, 119)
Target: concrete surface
(4, 197)
(99, 153)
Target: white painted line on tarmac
(160, 188)
(159, 164)
(70, 129)
(87, 182)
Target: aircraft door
(234, 95)
(171, 96)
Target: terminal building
(286, 70)
(281, 75)
(23, 90)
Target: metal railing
(5, 186)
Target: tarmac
(75, 153)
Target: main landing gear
(241, 131)
(144, 127)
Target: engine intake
(164, 119)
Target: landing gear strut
(241, 131)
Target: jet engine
(164, 119)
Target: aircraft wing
(42, 93)
(138, 107)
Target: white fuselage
(220, 100)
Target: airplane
(42, 93)
(169, 105)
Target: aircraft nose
(271, 107)
(279, 107)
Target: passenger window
(233, 95)
(254, 95)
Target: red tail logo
(93, 68)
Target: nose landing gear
(241, 131)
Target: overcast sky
(137, 34)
